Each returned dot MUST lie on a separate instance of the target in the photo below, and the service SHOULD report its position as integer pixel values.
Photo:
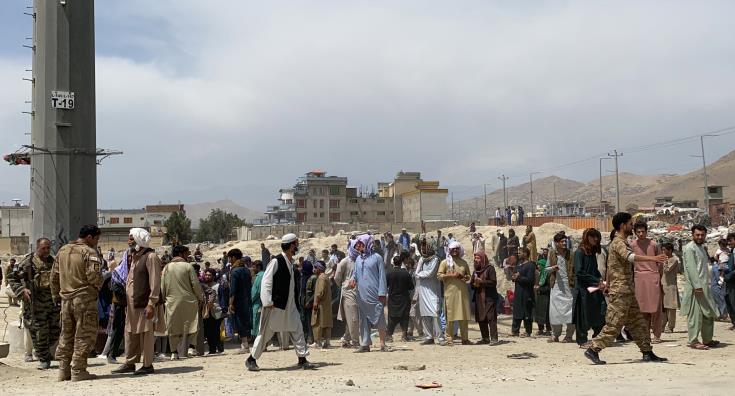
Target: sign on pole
(62, 100)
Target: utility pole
(452, 206)
(485, 189)
(553, 205)
(601, 159)
(615, 155)
(505, 194)
(704, 170)
(530, 177)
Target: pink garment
(648, 289)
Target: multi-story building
(565, 208)
(320, 199)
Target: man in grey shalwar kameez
(428, 294)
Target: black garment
(281, 281)
(516, 326)
(212, 334)
(118, 331)
(589, 308)
(502, 249)
(394, 321)
(523, 297)
(488, 331)
(513, 245)
(265, 257)
(400, 286)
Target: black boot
(304, 364)
(144, 370)
(651, 357)
(251, 364)
(592, 355)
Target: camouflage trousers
(623, 311)
(43, 324)
(79, 324)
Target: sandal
(656, 341)
(713, 344)
(386, 348)
(699, 346)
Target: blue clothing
(371, 283)
(718, 291)
(405, 241)
(240, 288)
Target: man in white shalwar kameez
(278, 296)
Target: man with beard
(31, 281)
(182, 294)
(454, 273)
(697, 304)
(348, 298)
(143, 315)
(400, 288)
(279, 314)
(622, 308)
(428, 294)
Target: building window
(334, 190)
(364, 213)
(114, 220)
(300, 217)
(334, 204)
(157, 222)
(354, 201)
(314, 215)
(381, 200)
(315, 203)
(334, 217)
(142, 218)
(321, 204)
(381, 213)
(354, 213)
(300, 203)
(321, 215)
(128, 220)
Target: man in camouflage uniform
(76, 281)
(622, 306)
(31, 281)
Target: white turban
(454, 245)
(142, 237)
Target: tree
(178, 227)
(218, 226)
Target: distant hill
(640, 190)
(199, 211)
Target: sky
(235, 99)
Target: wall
(424, 205)
(15, 246)
(262, 232)
(15, 221)
(578, 223)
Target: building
(15, 221)
(716, 194)
(320, 199)
(565, 208)
(116, 223)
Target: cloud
(203, 96)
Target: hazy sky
(235, 99)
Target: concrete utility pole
(615, 156)
(704, 170)
(485, 196)
(553, 205)
(63, 134)
(452, 206)
(530, 177)
(505, 194)
(601, 159)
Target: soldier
(622, 307)
(31, 281)
(76, 281)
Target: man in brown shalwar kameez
(143, 313)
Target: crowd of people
(175, 305)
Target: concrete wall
(16, 221)
(428, 206)
(15, 246)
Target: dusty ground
(460, 369)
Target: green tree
(218, 226)
(178, 226)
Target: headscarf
(430, 246)
(367, 241)
(453, 245)
(320, 266)
(142, 237)
(307, 270)
(484, 264)
(542, 271)
(351, 250)
(120, 274)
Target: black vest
(281, 281)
